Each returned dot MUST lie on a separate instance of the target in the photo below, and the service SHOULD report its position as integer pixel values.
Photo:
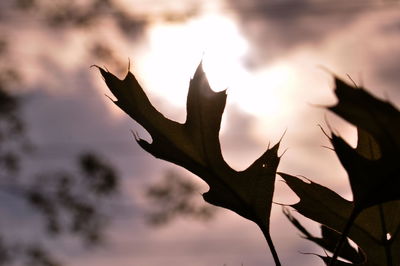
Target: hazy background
(271, 55)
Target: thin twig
(345, 233)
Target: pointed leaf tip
(195, 146)
(372, 166)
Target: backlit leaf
(328, 208)
(374, 167)
(195, 146)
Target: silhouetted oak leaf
(195, 146)
(328, 240)
(324, 206)
(379, 118)
(374, 166)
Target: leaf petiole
(267, 236)
(354, 214)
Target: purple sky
(286, 43)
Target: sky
(276, 59)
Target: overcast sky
(270, 55)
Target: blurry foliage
(64, 203)
(62, 17)
(31, 255)
(13, 141)
(76, 14)
(90, 17)
(71, 202)
(176, 196)
(371, 220)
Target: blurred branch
(176, 196)
(72, 202)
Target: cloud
(274, 28)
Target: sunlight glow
(175, 49)
(264, 92)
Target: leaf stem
(346, 230)
(385, 240)
(267, 236)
